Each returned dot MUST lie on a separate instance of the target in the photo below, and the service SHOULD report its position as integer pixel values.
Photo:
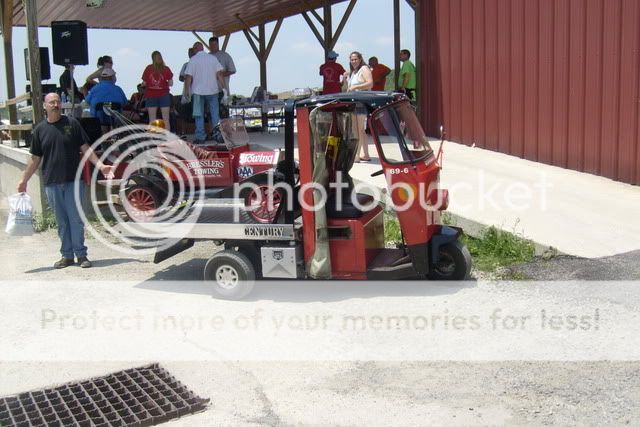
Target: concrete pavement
(576, 213)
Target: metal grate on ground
(142, 396)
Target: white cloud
(384, 41)
(344, 49)
(301, 46)
(127, 52)
(244, 60)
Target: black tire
(231, 275)
(454, 262)
(143, 201)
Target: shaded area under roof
(218, 16)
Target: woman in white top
(360, 78)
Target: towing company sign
(208, 167)
(258, 158)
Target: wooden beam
(263, 58)
(226, 42)
(272, 39)
(200, 39)
(342, 23)
(396, 40)
(31, 14)
(328, 30)
(15, 100)
(412, 5)
(311, 8)
(16, 128)
(314, 30)
(247, 27)
(6, 12)
(263, 70)
(317, 16)
(252, 43)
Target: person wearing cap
(331, 73)
(105, 91)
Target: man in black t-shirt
(57, 143)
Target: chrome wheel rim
(227, 277)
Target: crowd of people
(336, 79)
(365, 76)
(206, 76)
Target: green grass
(44, 221)
(392, 232)
(494, 248)
(47, 220)
(497, 248)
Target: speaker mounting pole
(31, 14)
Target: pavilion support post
(6, 10)
(30, 11)
(262, 51)
(328, 30)
(263, 70)
(396, 40)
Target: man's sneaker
(84, 262)
(63, 262)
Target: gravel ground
(619, 267)
(356, 392)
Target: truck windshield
(400, 134)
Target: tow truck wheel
(143, 202)
(231, 274)
(454, 262)
(262, 203)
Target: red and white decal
(257, 158)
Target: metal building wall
(555, 81)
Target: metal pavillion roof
(218, 16)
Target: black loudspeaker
(69, 41)
(45, 90)
(45, 67)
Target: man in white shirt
(203, 81)
(226, 61)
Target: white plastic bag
(20, 221)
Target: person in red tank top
(157, 79)
(331, 73)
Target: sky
(293, 62)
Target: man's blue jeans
(198, 112)
(70, 225)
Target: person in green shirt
(407, 77)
